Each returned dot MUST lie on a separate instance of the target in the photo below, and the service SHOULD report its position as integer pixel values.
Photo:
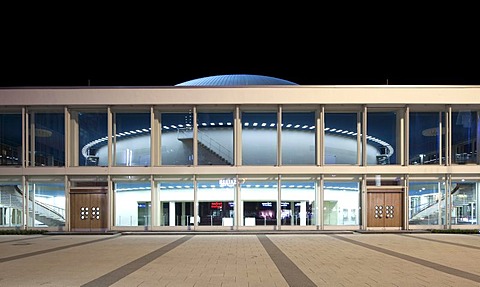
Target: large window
(132, 203)
(259, 138)
(298, 202)
(131, 140)
(464, 136)
(464, 201)
(92, 138)
(11, 203)
(215, 138)
(426, 138)
(177, 138)
(10, 138)
(216, 201)
(383, 133)
(341, 203)
(426, 203)
(341, 145)
(46, 202)
(176, 196)
(259, 201)
(47, 138)
(298, 138)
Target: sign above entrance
(230, 182)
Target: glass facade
(427, 138)
(176, 198)
(298, 135)
(176, 138)
(11, 202)
(464, 136)
(46, 203)
(47, 139)
(383, 132)
(427, 203)
(216, 202)
(215, 138)
(131, 140)
(340, 132)
(341, 204)
(298, 203)
(10, 139)
(259, 150)
(259, 199)
(133, 203)
(464, 201)
(92, 138)
(226, 166)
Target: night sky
(66, 49)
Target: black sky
(153, 53)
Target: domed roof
(236, 80)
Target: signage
(229, 182)
(216, 205)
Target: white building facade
(242, 157)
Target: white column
(303, 213)
(171, 213)
(182, 218)
(293, 220)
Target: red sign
(215, 205)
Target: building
(237, 152)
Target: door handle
(95, 213)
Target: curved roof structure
(237, 80)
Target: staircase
(11, 196)
(208, 143)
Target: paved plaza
(232, 259)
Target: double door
(385, 208)
(88, 210)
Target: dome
(236, 80)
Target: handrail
(46, 209)
(51, 209)
(207, 141)
(215, 146)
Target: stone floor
(251, 259)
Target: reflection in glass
(11, 204)
(464, 137)
(424, 144)
(132, 139)
(426, 202)
(298, 138)
(382, 133)
(464, 203)
(341, 145)
(215, 138)
(93, 139)
(132, 203)
(46, 204)
(215, 203)
(10, 139)
(177, 138)
(48, 135)
(176, 203)
(341, 204)
(259, 138)
(298, 203)
(259, 200)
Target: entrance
(384, 209)
(88, 210)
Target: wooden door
(88, 211)
(98, 219)
(384, 209)
(79, 213)
(393, 209)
